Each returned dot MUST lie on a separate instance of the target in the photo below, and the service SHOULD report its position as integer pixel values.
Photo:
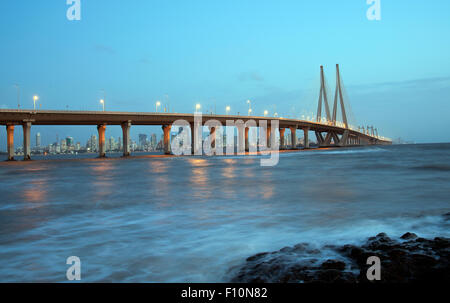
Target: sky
(396, 71)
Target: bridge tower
(322, 97)
(338, 95)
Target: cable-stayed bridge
(331, 127)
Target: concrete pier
(193, 147)
(212, 136)
(306, 137)
(126, 138)
(282, 131)
(268, 136)
(101, 140)
(26, 140)
(293, 136)
(247, 145)
(166, 129)
(10, 141)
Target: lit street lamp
(35, 98)
(266, 112)
(249, 107)
(227, 109)
(197, 107)
(157, 105)
(102, 102)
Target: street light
(157, 105)
(249, 107)
(35, 98)
(266, 112)
(102, 102)
(197, 107)
(227, 109)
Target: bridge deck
(58, 117)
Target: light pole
(227, 109)
(249, 107)
(197, 107)
(157, 105)
(102, 102)
(266, 112)
(35, 98)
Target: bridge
(328, 131)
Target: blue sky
(396, 71)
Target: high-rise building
(38, 140)
(63, 145)
(92, 144)
(70, 142)
(111, 144)
(153, 141)
(142, 141)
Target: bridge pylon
(338, 95)
(322, 98)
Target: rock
(333, 264)
(409, 236)
(413, 259)
(257, 256)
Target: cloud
(442, 82)
(250, 76)
(104, 49)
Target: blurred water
(190, 219)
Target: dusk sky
(396, 71)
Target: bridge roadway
(334, 135)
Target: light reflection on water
(191, 218)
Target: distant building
(38, 140)
(70, 142)
(142, 141)
(153, 141)
(92, 144)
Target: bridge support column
(306, 137)
(10, 141)
(240, 139)
(293, 136)
(101, 140)
(282, 131)
(166, 129)
(247, 146)
(26, 140)
(126, 138)
(193, 146)
(268, 136)
(344, 139)
(212, 136)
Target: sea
(197, 218)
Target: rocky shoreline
(407, 259)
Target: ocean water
(194, 219)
